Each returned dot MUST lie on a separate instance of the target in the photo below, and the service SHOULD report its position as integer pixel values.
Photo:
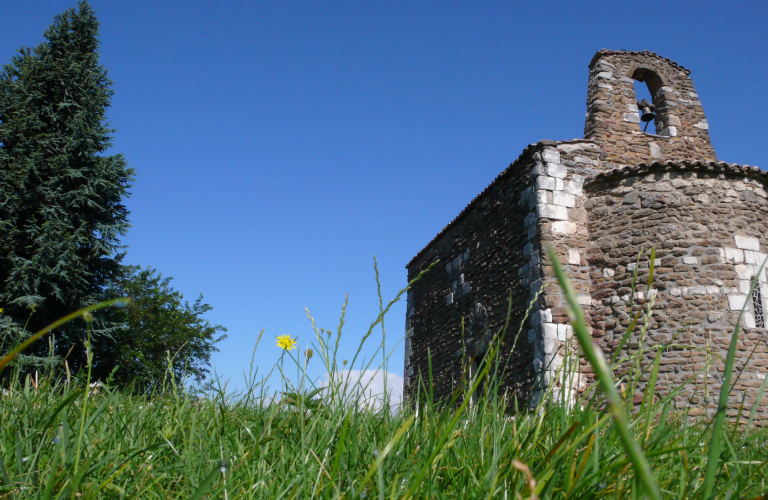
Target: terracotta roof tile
(672, 63)
(665, 166)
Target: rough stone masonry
(599, 201)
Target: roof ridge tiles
(668, 165)
(672, 63)
(526, 151)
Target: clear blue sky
(278, 146)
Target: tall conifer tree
(61, 210)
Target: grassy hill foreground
(60, 440)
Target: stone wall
(613, 120)
(708, 223)
(483, 258)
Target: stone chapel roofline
(605, 52)
(680, 166)
(527, 152)
(617, 171)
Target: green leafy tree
(61, 210)
(156, 327)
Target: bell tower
(614, 119)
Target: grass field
(59, 440)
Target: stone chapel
(599, 201)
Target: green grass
(59, 441)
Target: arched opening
(650, 92)
(643, 94)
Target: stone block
(556, 170)
(563, 199)
(584, 300)
(549, 330)
(546, 315)
(537, 170)
(409, 333)
(553, 362)
(749, 319)
(745, 272)
(542, 196)
(575, 188)
(585, 160)
(527, 250)
(655, 150)
(530, 219)
(531, 336)
(749, 257)
(546, 211)
(631, 198)
(448, 267)
(532, 201)
(760, 258)
(564, 227)
(734, 255)
(673, 120)
(702, 125)
(574, 257)
(632, 117)
(538, 365)
(535, 260)
(545, 182)
(736, 302)
(449, 299)
(632, 108)
(466, 288)
(701, 198)
(605, 75)
(747, 243)
(744, 286)
(550, 155)
(559, 184)
(563, 332)
(409, 371)
(691, 261)
(549, 344)
(607, 273)
(669, 132)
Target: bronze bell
(646, 110)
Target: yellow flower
(1, 310)
(286, 343)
